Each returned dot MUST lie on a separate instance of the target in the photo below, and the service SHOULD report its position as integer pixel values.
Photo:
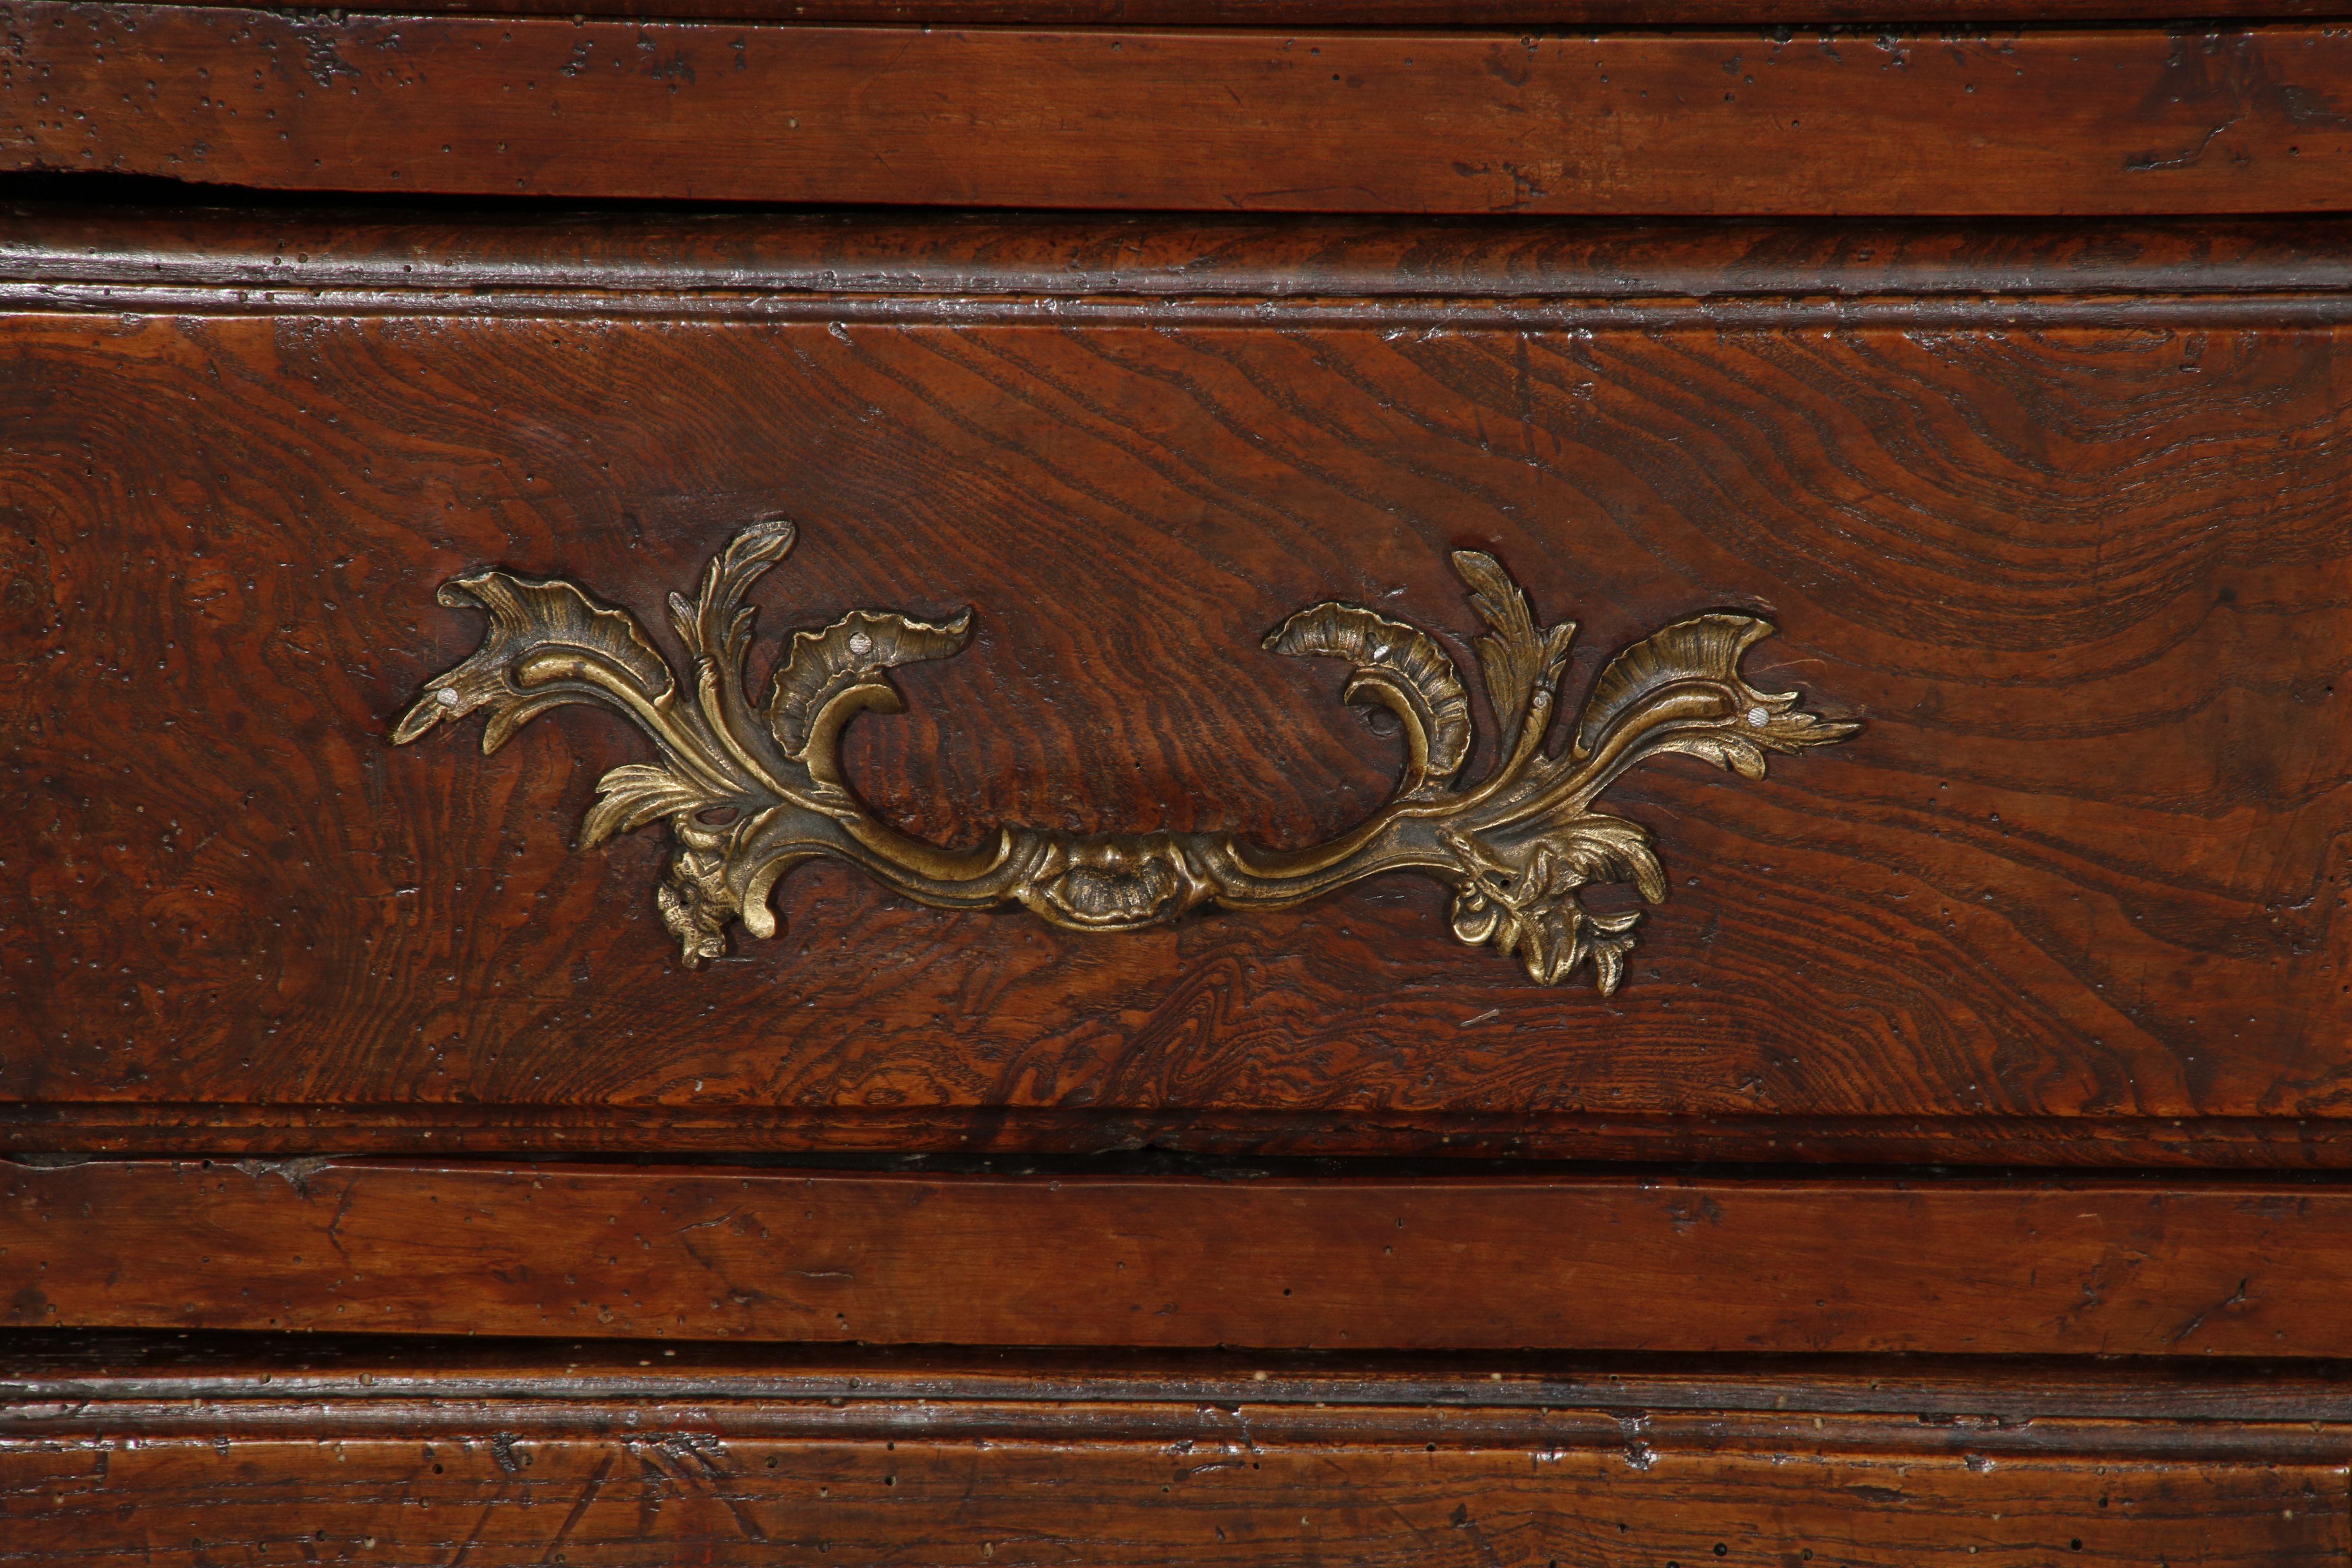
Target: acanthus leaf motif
(1680, 690)
(1402, 668)
(1601, 848)
(717, 631)
(833, 673)
(548, 644)
(748, 794)
(1516, 661)
(713, 626)
(634, 794)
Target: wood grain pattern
(653, 1454)
(2078, 891)
(1853, 1266)
(662, 1499)
(2127, 121)
(2057, 508)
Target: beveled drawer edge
(278, 256)
(281, 1133)
(67, 1365)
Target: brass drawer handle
(750, 791)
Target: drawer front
(1932, 671)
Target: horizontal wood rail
(1624, 1263)
(2056, 122)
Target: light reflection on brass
(750, 791)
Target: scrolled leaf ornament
(750, 789)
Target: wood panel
(2125, 120)
(662, 1500)
(352, 1449)
(1857, 1266)
(2075, 893)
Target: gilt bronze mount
(750, 791)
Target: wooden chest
(985, 782)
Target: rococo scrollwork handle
(752, 790)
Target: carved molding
(752, 790)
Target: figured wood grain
(2129, 121)
(662, 1498)
(1850, 1266)
(2076, 894)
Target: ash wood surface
(349, 1449)
(660, 1498)
(2129, 121)
(1853, 1266)
(2074, 894)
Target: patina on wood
(1856, 1265)
(2075, 893)
(79, 1383)
(2023, 121)
(342, 1450)
(653, 1499)
(2055, 511)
